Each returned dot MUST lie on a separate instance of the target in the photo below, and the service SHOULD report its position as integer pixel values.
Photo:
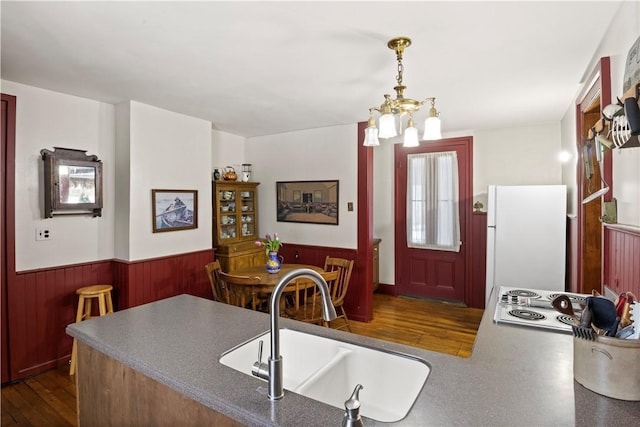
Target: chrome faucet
(273, 370)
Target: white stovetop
(535, 303)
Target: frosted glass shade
(432, 129)
(371, 137)
(387, 126)
(411, 137)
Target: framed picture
(315, 202)
(174, 210)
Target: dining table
(268, 282)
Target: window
(433, 220)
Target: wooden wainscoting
(144, 281)
(41, 303)
(621, 267)
(478, 260)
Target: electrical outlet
(43, 234)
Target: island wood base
(112, 394)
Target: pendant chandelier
(392, 111)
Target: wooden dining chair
(308, 307)
(213, 270)
(241, 291)
(339, 290)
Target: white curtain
(433, 221)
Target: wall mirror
(72, 183)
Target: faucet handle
(260, 343)
(352, 408)
(260, 369)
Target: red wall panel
(478, 260)
(621, 263)
(145, 281)
(41, 303)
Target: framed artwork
(314, 202)
(174, 210)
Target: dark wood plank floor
(49, 399)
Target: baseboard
(387, 289)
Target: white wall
(167, 151)
(227, 150)
(46, 119)
(525, 155)
(123, 180)
(621, 35)
(317, 154)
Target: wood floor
(49, 399)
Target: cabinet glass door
(228, 221)
(248, 217)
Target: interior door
(433, 273)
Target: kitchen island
(515, 376)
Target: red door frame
(364, 261)
(600, 85)
(8, 269)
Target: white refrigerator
(526, 237)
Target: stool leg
(109, 303)
(74, 350)
(81, 308)
(101, 305)
(87, 308)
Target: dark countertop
(515, 376)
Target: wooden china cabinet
(235, 225)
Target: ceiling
(261, 68)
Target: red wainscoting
(621, 267)
(315, 255)
(43, 302)
(141, 282)
(41, 305)
(478, 260)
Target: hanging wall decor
(72, 183)
(174, 210)
(313, 202)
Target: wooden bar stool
(105, 306)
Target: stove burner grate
(526, 314)
(567, 320)
(575, 299)
(524, 293)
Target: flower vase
(274, 262)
